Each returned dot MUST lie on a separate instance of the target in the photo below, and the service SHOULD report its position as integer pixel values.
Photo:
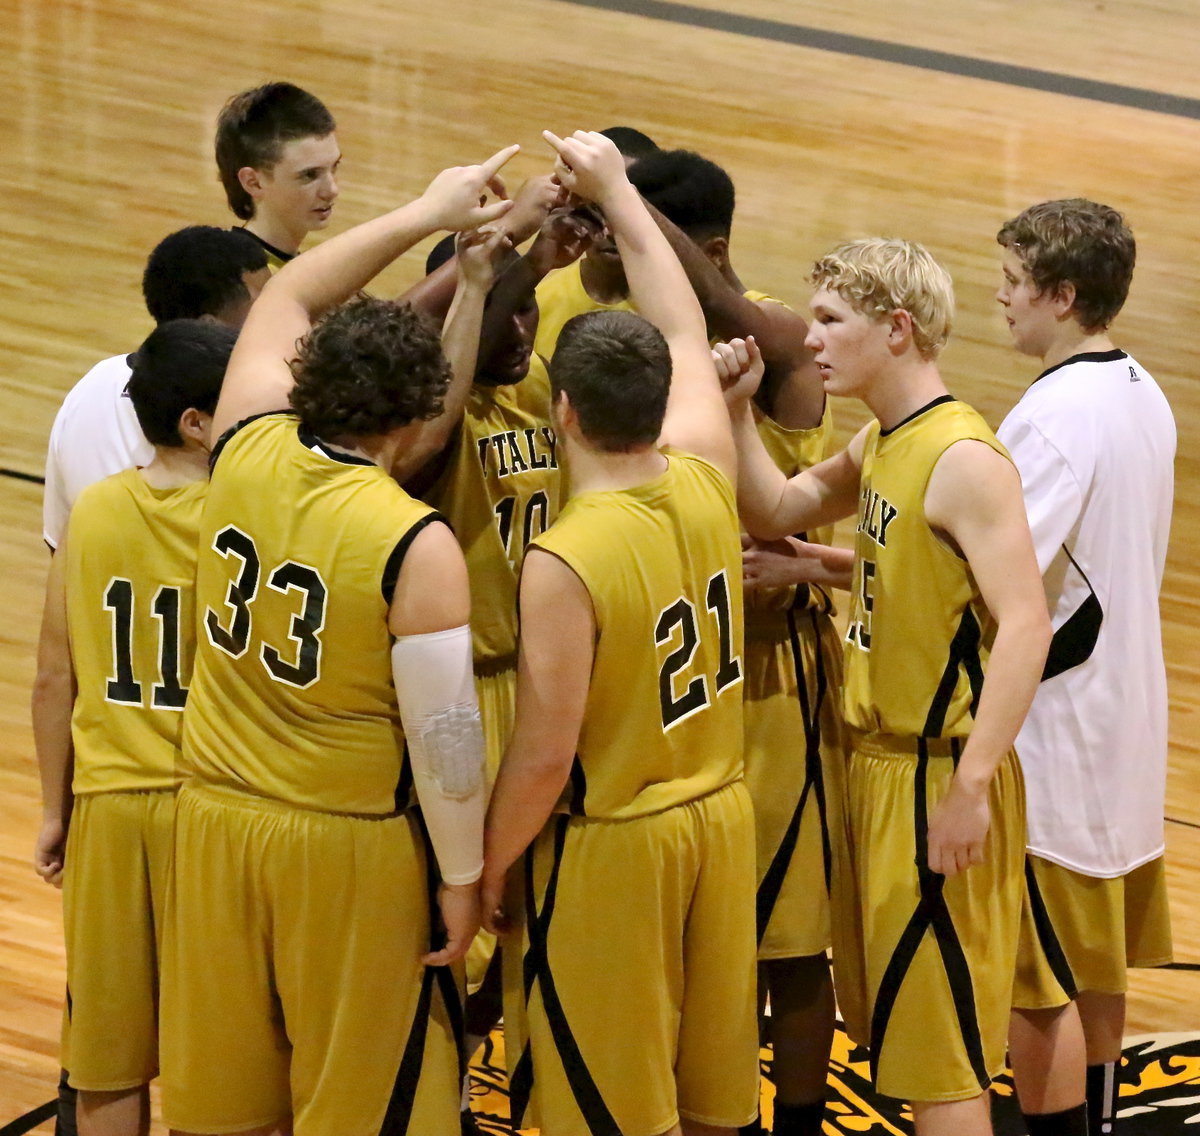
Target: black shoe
(467, 1121)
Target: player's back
(300, 549)
(561, 296)
(662, 565)
(130, 574)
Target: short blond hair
(877, 275)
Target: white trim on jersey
(95, 434)
(1094, 442)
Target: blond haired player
(945, 590)
(1094, 441)
(621, 792)
(114, 667)
(332, 676)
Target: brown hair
(252, 128)
(616, 370)
(368, 367)
(1079, 242)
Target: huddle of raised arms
(284, 656)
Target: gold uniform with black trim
(301, 888)
(561, 296)
(637, 916)
(792, 700)
(923, 964)
(500, 489)
(130, 586)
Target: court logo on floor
(1159, 1092)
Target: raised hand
(532, 204)
(588, 164)
(739, 367)
(481, 254)
(456, 198)
(565, 236)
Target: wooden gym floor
(930, 119)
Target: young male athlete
(334, 609)
(497, 483)
(945, 588)
(1094, 441)
(114, 667)
(622, 785)
(196, 273)
(278, 158)
(794, 744)
(595, 283)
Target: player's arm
(791, 376)
(480, 252)
(435, 690)
(533, 202)
(771, 505)
(259, 377)
(974, 498)
(781, 563)
(558, 634)
(53, 700)
(696, 421)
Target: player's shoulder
(100, 387)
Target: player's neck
(898, 396)
(275, 232)
(604, 282)
(1075, 341)
(176, 466)
(594, 471)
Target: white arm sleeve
(435, 688)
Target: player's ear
(250, 180)
(1064, 298)
(900, 329)
(717, 250)
(194, 426)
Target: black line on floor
(30, 1120)
(1186, 823)
(37, 479)
(1031, 78)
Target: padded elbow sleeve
(435, 689)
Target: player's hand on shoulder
(958, 828)
(49, 854)
(481, 253)
(457, 197)
(780, 563)
(533, 203)
(459, 908)
(589, 165)
(740, 368)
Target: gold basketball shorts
(795, 771)
(630, 984)
(114, 896)
(1079, 933)
(924, 964)
(292, 980)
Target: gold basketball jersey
(560, 296)
(919, 633)
(300, 550)
(131, 580)
(500, 489)
(662, 564)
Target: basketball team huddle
(410, 666)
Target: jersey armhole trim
(224, 439)
(395, 560)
